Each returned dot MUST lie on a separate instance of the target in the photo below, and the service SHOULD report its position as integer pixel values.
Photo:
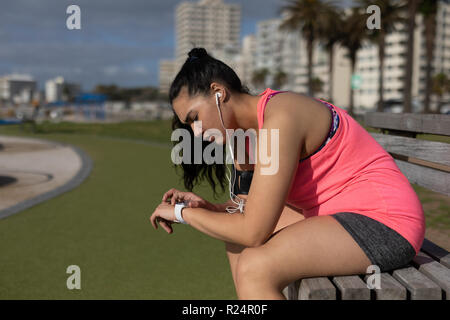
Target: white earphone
(240, 204)
(218, 95)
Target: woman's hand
(164, 214)
(192, 200)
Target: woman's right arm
(195, 201)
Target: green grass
(103, 227)
(436, 207)
(158, 131)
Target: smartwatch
(178, 210)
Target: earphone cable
(239, 204)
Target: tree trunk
(412, 9)
(331, 71)
(353, 63)
(381, 55)
(440, 104)
(310, 48)
(430, 28)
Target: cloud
(111, 70)
(140, 70)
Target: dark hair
(197, 73)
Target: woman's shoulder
(291, 100)
(301, 115)
(299, 108)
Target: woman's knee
(252, 265)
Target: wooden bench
(425, 163)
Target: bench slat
(445, 261)
(317, 289)
(431, 151)
(434, 180)
(421, 123)
(390, 289)
(420, 286)
(433, 270)
(436, 252)
(352, 288)
(291, 291)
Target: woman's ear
(219, 89)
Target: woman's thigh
(288, 216)
(318, 246)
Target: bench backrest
(425, 163)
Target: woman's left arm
(270, 184)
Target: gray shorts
(384, 247)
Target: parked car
(396, 106)
(445, 108)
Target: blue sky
(120, 42)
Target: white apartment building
(367, 65)
(17, 88)
(441, 62)
(229, 54)
(54, 89)
(340, 79)
(166, 74)
(247, 60)
(211, 24)
(320, 69)
(58, 89)
(276, 51)
(287, 51)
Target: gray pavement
(35, 170)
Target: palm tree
(354, 28)
(310, 16)
(331, 34)
(279, 79)
(259, 77)
(440, 86)
(412, 10)
(390, 15)
(428, 10)
(317, 85)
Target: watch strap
(178, 212)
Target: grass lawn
(102, 226)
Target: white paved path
(34, 170)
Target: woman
(337, 204)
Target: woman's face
(192, 110)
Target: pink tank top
(353, 173)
